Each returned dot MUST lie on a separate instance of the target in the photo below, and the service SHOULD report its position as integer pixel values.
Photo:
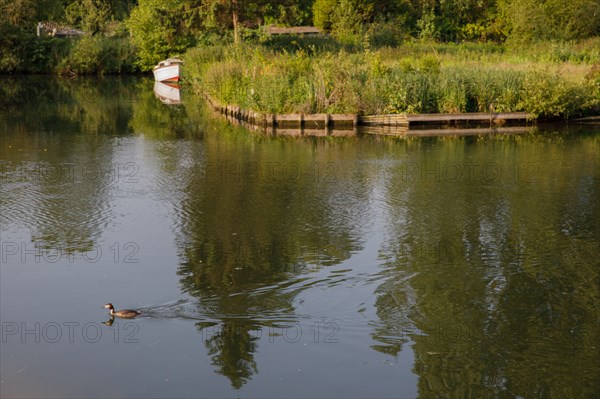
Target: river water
(288, 266)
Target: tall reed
(413, 78)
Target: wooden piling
(467, 117)
(269, 120)
(344, 120)
(289, 121)
(384, 120)
(347, 124)
(316, 121)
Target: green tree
(533, 20)
(235, 14)
(289, 13)
(19, 47)
(162, 28)
(343, 15)
(347, 17)
(350, 15)
(91, 15)
(323, 13)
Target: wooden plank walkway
(403, 131)
(589, 119)
(385, 120)
(467, 117)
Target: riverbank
(319, 75)
(389, 125)
(550, 81)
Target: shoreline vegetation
(554, 81)
(374, 57)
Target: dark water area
(288, 267)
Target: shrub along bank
(553, 80)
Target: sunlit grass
(559, 81)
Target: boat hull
(169, 73)
(167, 93)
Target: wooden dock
(385, 120)
(287, 121)
(441, 131)
(589, 119)
(476, 117)
(393, 124)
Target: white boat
(167, 93)
(167, 70)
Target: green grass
(314, 76)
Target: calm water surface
(288, 267)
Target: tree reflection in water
(498, 298)
(232, 345)
(262, 235)
(56, 172)
(494, 284)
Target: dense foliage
(105, 47)
(145, 31)
(559, 81)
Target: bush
(311, 44)
(552, 96)
(415, 78)
(25, 52)
(386, 34)
(99, 54)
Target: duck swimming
(123, 313)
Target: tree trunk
(236, 33)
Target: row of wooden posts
(401, 122)
(306, 121)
